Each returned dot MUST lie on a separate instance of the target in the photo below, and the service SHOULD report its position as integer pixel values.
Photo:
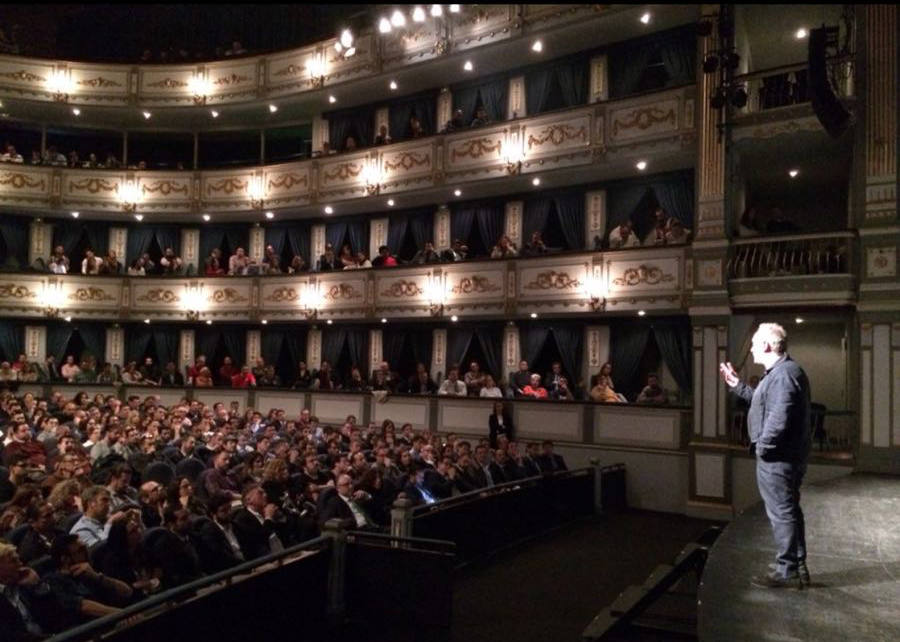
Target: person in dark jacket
(214, 539)
(778, 425)
(500, 423)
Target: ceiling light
(383, 320)
(264, 322)
(534, 315)
(641, 313)
(398, 19)
(68, 319)
(418, 14)
(139, 217)
(793, 173)
(351, 51)
(384, 25)
(329, 209)
(270, 215)
(468, 66)
(457, 192)
(273, 108)
(347, 38)
(390, 202)
(74, 214)
(206, 217)
(538, 46)
(798, 320)
(146, 320)
(76, 111)
(332, 99)
(393, 85)
(645, 18)
(801, 33)
(329, 322)
(147, 115)
(535, 181)
(641, 165)
(437, 11)
(209, 322)
(454, 8)
(213, 113)
(454, 318)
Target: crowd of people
(666, 230)
(52, 157)
(105, 502)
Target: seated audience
(490, 388)
(10, 155)
(452, 386)
(243, 378)
(623, 236)
(69, 370)
(604, 392)
(59, 262)
(346, 257)
(535, 246)
(474, 379)
(504, 248)
(548, 461)
(382, 138)
(359, 262)
(562, 391)
(653, 393)
(415, 128)
(297, 265)
(481, 117)
(520, 380)
(212, 266)
(350, 144)
(458, 251)
(552, 378)
(426, 255)
(421, 382)
(677, 233)
(239, 263)
(326, 378)
(657, 234)
(110, 264)
(137, 267)
(328, 262)
(455, 123)
(91, 263)
(534, 389)
(170, 262)
(304, 378)
(171, 376)
(384, 258)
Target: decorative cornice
(227, 295)
(11, 291)
(643, 274)
(408, 160)
(90, 294)
(282, 295)
(165, 187)
(402, 288)
(159, 295)
(643, 118)
(557, 134)
(342, 291)
(475, 148)
(552, 280)
(474, 285)
(99, 81)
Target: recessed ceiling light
(641, 165)
(68, 319)
(147, 115)
(468, 66)
(270, 215)
(454, 318)
(646, 18)
(146, 320)
(454, 8)
(76, 111)
(418, 14)
(393, 85)
(264, 322)
(329, 322)
(383, 320)
(390, 202)
(213, 113)
(535, 181)
(329, 209)
(273, 109)
(534, 315)
(538, 46)
(793, 173)
(332, 99)
(457, 192)
(74, 214)
(641, 313)
(209, 322)
(801, 33)
(139, 217)
(384, 25)
(437, 11)
(397, 18)
(206, 217)
(798, 320)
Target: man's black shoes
(802, 571)
(774, 580)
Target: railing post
(334, 529)
(401, 519)
(598, 486)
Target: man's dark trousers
(779, 484)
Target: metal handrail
(843, 234)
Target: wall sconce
(344, 45)
(200, 87)
(311, 300)
(60, 85)
(52, 298)
(315, 66)
(257, 193)
(130, 196)
(512, 153)
(595, 290)
(436, 293)
(372, 176)
(194, 301)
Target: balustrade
(789, 85)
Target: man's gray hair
(773, 334)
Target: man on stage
(778, 424)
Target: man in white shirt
(238, 262)
(91, 263)
(452, 386)
(11, 155)
(623, 236)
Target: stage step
(629, 597)
(658, 573)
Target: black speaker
(828, 108)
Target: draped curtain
(677, 48)
(397, 224)
(573, 81)
(207, 341)
(627, 343)
(165, 340)
(569, 340)
(335, 233)
(570, 213)
(357, 340)
(532, 340)
(235, 344)
(69, 233)
(492, 93)
(676, 194)
(332, 343)
(358, 122)
(569, 76)
(358, 231)
(14, 231)
(491, 341)
(537, 213)
(298, 237)
(490, 222)
(421, 223)
(537, 90)
(58, 336)
(140, 238)
(466, 99)
(276, 236)
(94, 338)
(422, 106)
(274, 341)
(458, 340)
(673, 337)
(216, 236)
(137, 340)
(421, 340)
(393, 343)
(461, 222)
(12, 340)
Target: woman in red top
(534, 389)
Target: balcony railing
(661, 123)
(789, 85)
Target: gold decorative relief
(233, 79)
(18, 181)
(287, 181)
(99, 81)
(93, 185)
(11, 291)
(90, 294)
(159, 295)
(227, 295)
(553, 280)
(23, 76)
(168, 83)
(227, 186)
(408, 160)
(342, 291)
(557, 134)
(644, 118)
(474, 285)
(475, 148)
(283, 294)
(402, 288)
(649, 275)
(164, 187)
(344, 171)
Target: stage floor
(853, 543)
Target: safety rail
(788, 85)
(791, 255)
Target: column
(40, 239)
(36, 343)
(515, 105)
(118, 243)
(596, 346)
(511, 350)
(316, 244)
(186, 349)
(444, 108)
(190, 249)
(319, 133)
(442, 228)
(599, 79)
(438, 354)
(314, 348)
(378, 235)
(381, 118)
(115, 346)
(254, 346)
(513, 222)
(595, 218)
(376, 355)
(257, 243)
(262, 146)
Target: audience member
(452, 386)
(520, 380)
(239, 263)
(458, 251)
(535, 246)
(504, 248)
(426, 255)
(59, 262)
(534, 389)
(328, 262)
(623, 236)
(384, 258)
(91, 263)
(170, 262)
(602, 391)
(490, 388)
(382, 138)
(500, 423)
(657, 234)
(653, 393)
(481, 117)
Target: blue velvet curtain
(673, 337)
(535, 217)
(422, 226)
(461, 220)
(212, 237)
(14, 230)
(332, 343)
(235, 344)
(12, 340)
(357, 341)
(358, 231)
(68, 233)
(276, 236)
(94, 337)
(570, 213)
(97, 236)
(677, 48)
(165, 339)
(675, 192)
(296, 345)
(207, 339)
(567, 76)
(458, 340)
(466, 99)
(493, 94)
(623, 200)
(569, 340)
(531, 342)
(421, 340)
(422, 106)
(140, 237)
(491, 341)
(358, 122)
(490, 222)
(573, 82)
(298, 237)
(627, 342)
(538, 83)
(397, 224)
(271, 342)
(335, 233)
(393, 342)
(137, 340)
(58, 336)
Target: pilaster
(118, 243)
(513, 222)
(316, 245)
(190, 249)
(314, 348)
(115, 346)
(438, 354)
(596, 348)
(186, 340)
(257, 245)
(511, 350)
(595, 218)
(444, 107)
(319, 133)
(442, 228)
(378, 235)
(36, 343)
(599, 78)
(515, 105)
(376, 347)
(381, 118)
(879, 394)
(40, 239)
(254, 346)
